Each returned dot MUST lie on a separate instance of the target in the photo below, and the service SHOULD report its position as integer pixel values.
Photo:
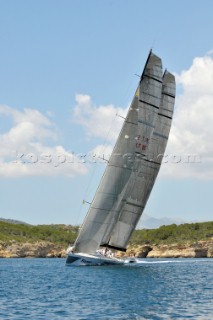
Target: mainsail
(146, 168)
(130, 174)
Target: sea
(47, 289)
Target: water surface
(156, 289)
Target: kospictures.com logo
(127, 159)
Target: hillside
(66, 234)
(188, 232)
(13, 221)
(21, 233)
(186, 240)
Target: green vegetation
(65, 234)
(188, 232)
(60, 234)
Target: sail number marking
(141, 142)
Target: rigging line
(129, 91)
(79, 216)
(95, 166)
(130, 86)
(118, 115)
(88, 185)
(94, 171)
(84, 201)
(102, 158)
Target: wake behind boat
(131, 171)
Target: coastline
(199, 249)
(44, 249)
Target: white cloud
(190, 147)
(24, 150)
(191, 133)
(192, 128)
(98, 121)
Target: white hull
(83, 259)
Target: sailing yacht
(130, 173)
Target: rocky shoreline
(31, 250)
(200, 249)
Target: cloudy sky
(67, 70)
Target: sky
(67, 70)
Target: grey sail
(146, 168)
(128, 207)
(129, 177)
(116, 175)
(164, 120)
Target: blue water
(47, 289)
